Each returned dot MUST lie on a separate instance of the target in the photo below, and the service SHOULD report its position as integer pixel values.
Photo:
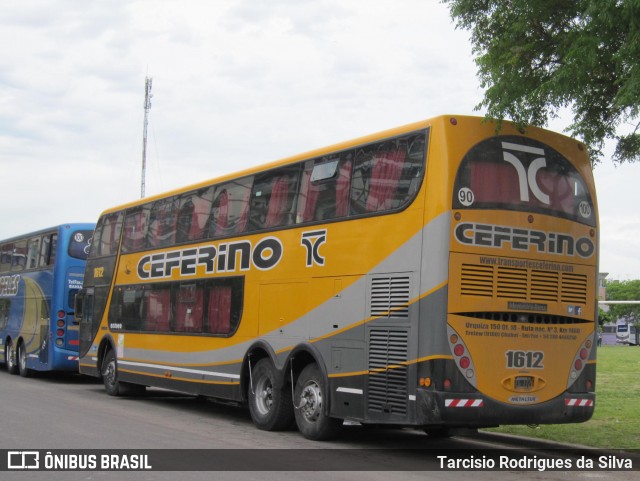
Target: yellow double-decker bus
(436, 275)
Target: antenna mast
(147, 107)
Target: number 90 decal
(525, 359)
(466, 197)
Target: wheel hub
(311, 402)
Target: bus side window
(5, 257)
(324, 193)
(219, 310)
(272, 202)
(19, 259)
(135, 229)
(54, 249)
(107, 236)
(386, 174)
(193, 216)
(189, 312)
(33, 252)
(230, 210)
(224, 302)
(158, 310)
(163, 223)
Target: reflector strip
(463, 403)
(72, 358)
(578, 402)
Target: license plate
(524, 383)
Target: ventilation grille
(390, 296)
(387, 388)
(523, 284)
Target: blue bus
(40, 274)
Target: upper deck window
(518, 173)
(79, 244)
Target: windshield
(518, 173)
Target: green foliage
(624, 291)
(604, 317)
(535, 57)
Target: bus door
(73, 284)
(43, 336)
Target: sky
(236, 83)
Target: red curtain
(276, 213)
(158, 310)
(219, 311)
(309, 195)
(387, 168)
(189, 313)
(342, 190)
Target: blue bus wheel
(10, 357)
(22, 361)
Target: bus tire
(112, 385)
(271, 408)
(22, 360)
(310, 398)
(10, 357)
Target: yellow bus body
(490, 312)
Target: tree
(625, 291)
(536, 57)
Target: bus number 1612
(524, 359)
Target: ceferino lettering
(488, 235)
(212, 258)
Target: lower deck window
(202, 307)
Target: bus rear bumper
(473, 409)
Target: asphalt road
(71, 412)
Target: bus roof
(80, 225)
(370, 138)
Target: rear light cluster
(461, 356)
(60, 326)
(579, 363)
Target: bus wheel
(22, 361)
(10, 356)
(310, 399)
(271, 408)
(112, 385)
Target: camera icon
(23, 460)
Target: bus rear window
(518, 173)
(79, 244)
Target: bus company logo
(23, 460)
(312, 242)
(214, 258)
(488, 235)
(9, 285)
(527, 177)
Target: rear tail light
(580, 361)
(461, 356)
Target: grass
(616, 421)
